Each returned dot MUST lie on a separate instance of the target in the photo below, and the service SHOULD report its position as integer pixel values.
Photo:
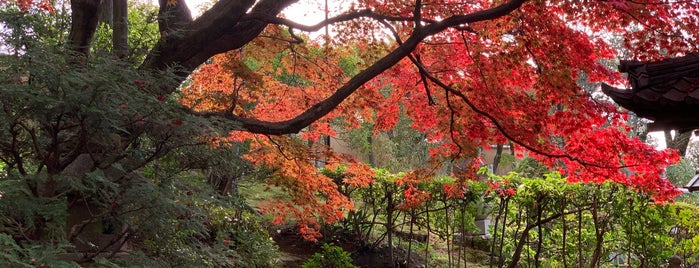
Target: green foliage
(685, 233)
(241, 232)
(507, 160)
(399, 149)
(360, 139)
(27, 215)
(544, 220)
(142, 33)
(530, 168)
(27, 30)
(679, 174)
(89, 149)
(350, 65)
(17, 255)
(331, 257)
(375, 206)
(94, 158)
(587, 224)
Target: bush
(331, 257)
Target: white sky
(308, 12)
(658, 139)
(304, 11)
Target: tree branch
(502, 128)
(417, 14)
(173, 16)
(365, 13)
(315, 27)
(218, 30)
(322, 108)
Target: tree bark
(679, 141)
(599, 234)
(174, 15)
(389, 225)
(564, 256)
(188, 43)
(496, 158)
(120, 30)
(540, 238)
(84, 18)
(106, 13)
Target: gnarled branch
(218, 30)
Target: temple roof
(666, 91)
(693, 184)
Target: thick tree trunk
(389, 225)
(679, 141)
(106, 14)
(84, 17)
(521, 241)
(120, 33)
(496, 159)
(540, 238)
(173, 16)
(599, 234)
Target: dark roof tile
(665, 91)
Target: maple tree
(467, 74)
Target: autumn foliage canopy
(484, 80)
(467, 73)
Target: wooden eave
(666, 91)
(693, 184)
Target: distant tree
(678, 140)
(680, 173)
